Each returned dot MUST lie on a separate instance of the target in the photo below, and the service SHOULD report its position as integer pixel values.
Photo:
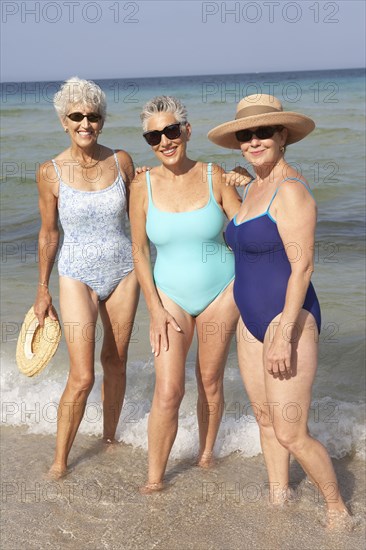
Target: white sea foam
(33, 403)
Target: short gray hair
(76, 91)
(163, 104)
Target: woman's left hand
(277, 359)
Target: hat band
(256, 110)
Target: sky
(53, 40)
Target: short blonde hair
(76, 91)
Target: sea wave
(339, 425)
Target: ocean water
(333, 161)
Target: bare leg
(250, 356)
(292, 396)
(79, 310)
(168, 394)
(215, 328)
(117, 314)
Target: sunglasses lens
(263, 132)
(78, 117)
(93, 117)
(153, 138)
(172, 131)
(244, 135)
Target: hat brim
(298, 126)
(36, 345)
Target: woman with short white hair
(181, 206)
(86, 188)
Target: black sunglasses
(173, 131)
(263, 132)
(78, 117)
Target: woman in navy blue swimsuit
(272, 237)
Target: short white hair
(76, 91)
(163, 104)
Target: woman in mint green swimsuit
(181, 207)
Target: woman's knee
(263, 417)
(81, 382)
(210, 383)
(168, 398)
(292, 440)
(113, 362)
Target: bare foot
(206, 460)
(151, 488)
(339, 520)
(110, 445)
(282, 497)
(55, 472)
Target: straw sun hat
(36, 345)
(261, 110)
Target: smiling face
(264, 152)
(169, 151)
(83, 133)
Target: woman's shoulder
(125, 162)
(294, 189)
(139, 181)
(120, 153)
(217, 174)
(293, 182)
(46, 171)
(208, 166)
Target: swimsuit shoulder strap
(120, 181)
(287, 179)
(117, 163)
(56, 169)
(60, 186)
(209, 179)
(246, 190)
(148, 183)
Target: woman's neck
(179, 169)
(269, 172)
(86, 157)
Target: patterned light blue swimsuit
(95, 249)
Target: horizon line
(194, 75)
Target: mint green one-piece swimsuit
(193, 264)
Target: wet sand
(98, 505)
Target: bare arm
(296, 213)
(48, 239)
(160, 318)
(127, 170)
(228, 196)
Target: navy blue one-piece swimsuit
(262, 271)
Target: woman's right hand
(160, 318)
(43, 306)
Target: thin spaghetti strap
(148, 183)
(117, 163)
(287, 179)
(304, 184)
(56, 169)
(120, 181)
(209, 178)
(247, 189)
